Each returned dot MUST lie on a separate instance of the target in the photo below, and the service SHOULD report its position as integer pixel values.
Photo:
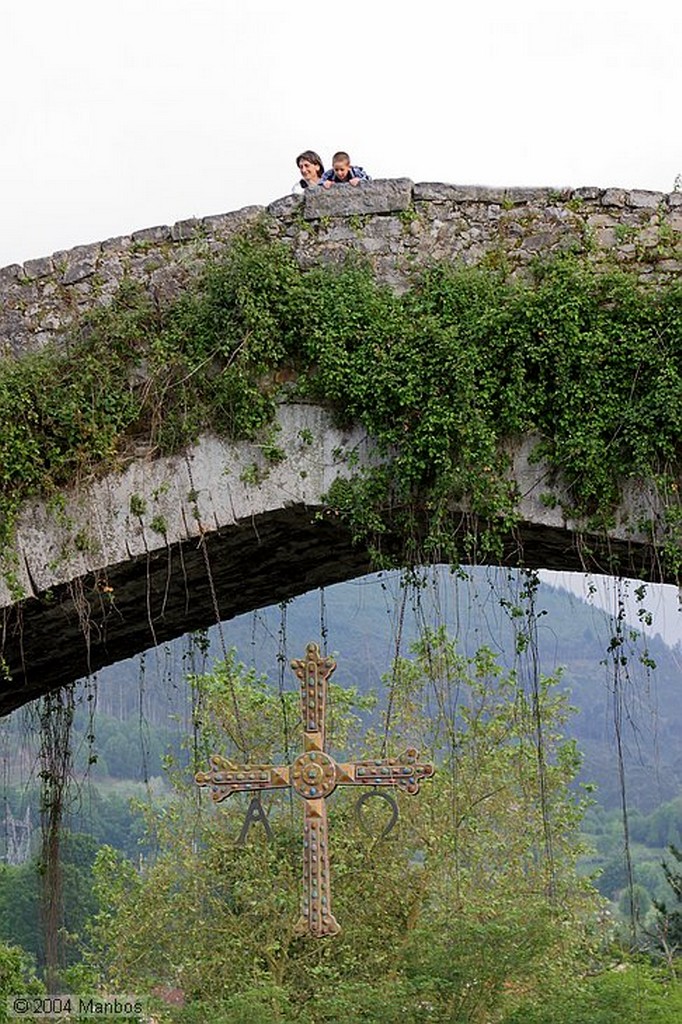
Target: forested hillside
(611, 711)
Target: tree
(669, 924)
(17, 977)
(473, 899)
(20, 899)
(20, 907)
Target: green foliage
(240, 707)
(20, 907)
(467, 359)
(17, 977)
(623, 993)
(669, 923)
(442, 377)
(159, 525)
(458, 907)
(20, 898)
(138, 506)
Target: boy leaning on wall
(342, 172)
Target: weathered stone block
(78, 272)
(76, 264)
(38, 268)
(10, 273)
(649, 236)
(348, 200)
(606, 237)
(160, 233)
(339, 231)
(81, 254)
(118, 244)
(183, 230)
(522, 196)
(226, 224)
(433, 192)
(601, 220)
(614, 197)
(536, 243)
(645, 200)
(285, 206)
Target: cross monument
(314, 775)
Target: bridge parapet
(399, 225)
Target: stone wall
(167, 546)
(399, 225)
(141, 557)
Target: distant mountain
(366, 622)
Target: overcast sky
(121, 115)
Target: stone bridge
(177, 544)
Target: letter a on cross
(314, 775)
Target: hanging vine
(618, 662)
(56, 757)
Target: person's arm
(358, 175)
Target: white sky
(122, 115)
(664, 603)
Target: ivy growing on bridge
(441, 376)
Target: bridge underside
(71, 631)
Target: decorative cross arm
(226, 777)
(406, 772)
